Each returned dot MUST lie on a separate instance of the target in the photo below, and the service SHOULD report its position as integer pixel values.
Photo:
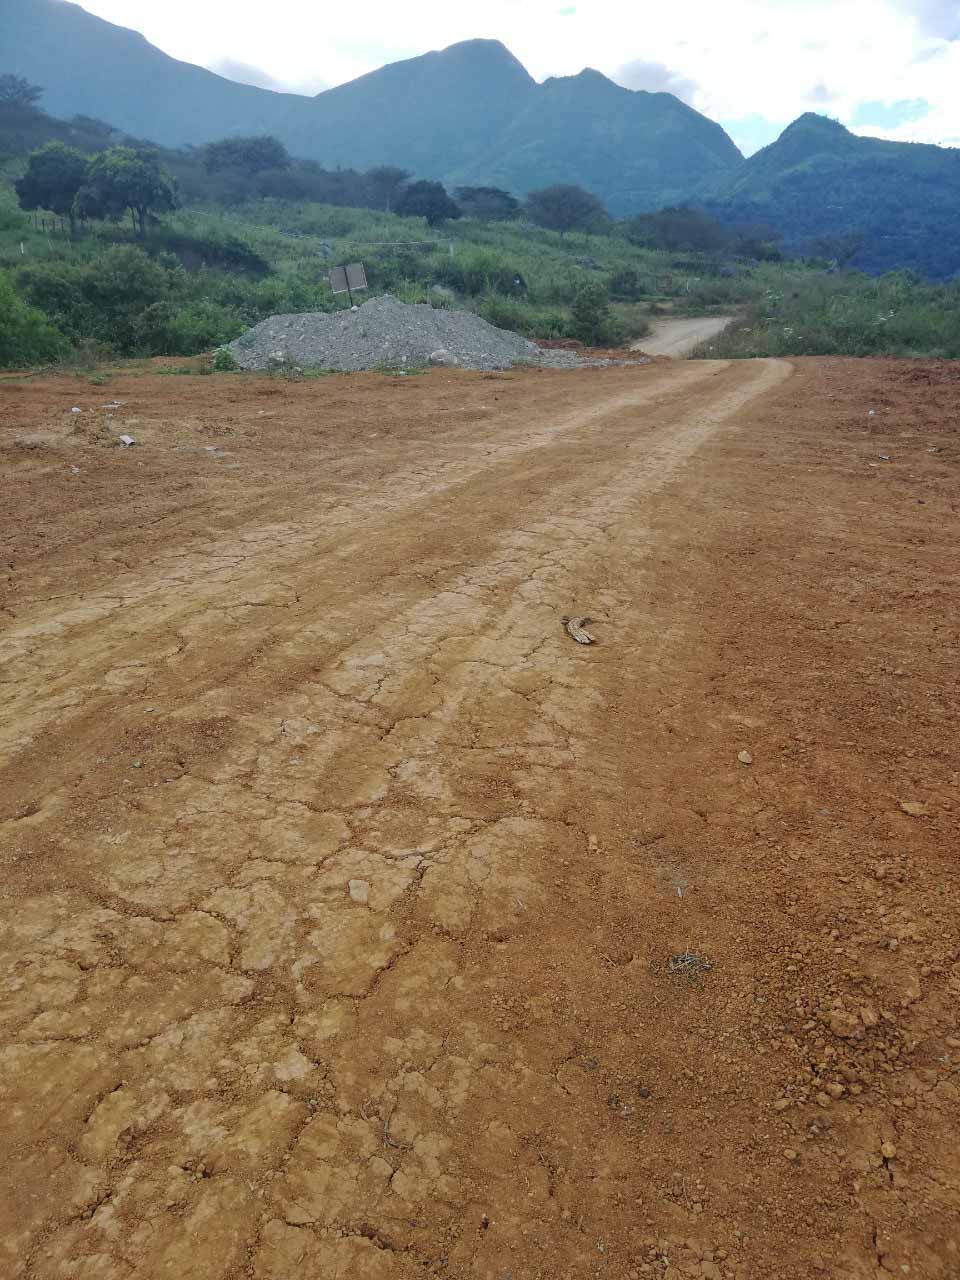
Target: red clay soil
(357, 923)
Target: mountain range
(472, 115)
(896, 203)
(469, 114)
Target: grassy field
(205, 275)
(847, 313)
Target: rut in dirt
(346, 886)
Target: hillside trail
(678, 338)
(349, 905)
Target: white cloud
(654, 77)
(746, 58)
(246, 73)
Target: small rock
(444, 359)
(359, 891)
(745, 757)
(845, 1025)
(823, 1100)
(914, 808)
(781, 1104)
(836, 1091)
(888, 1150)
(790, 1154)
(868, 1016)
(138, 764)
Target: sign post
(348, 279)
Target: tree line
(94, 181)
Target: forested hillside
(872, 204)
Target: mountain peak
(811, 122)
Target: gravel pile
(387, 332)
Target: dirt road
(346, 898)
(679, 337)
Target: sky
(887, 68)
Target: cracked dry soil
(340, 886)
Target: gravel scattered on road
(385, 332)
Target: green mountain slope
(468, 113)
(819, 181)
(637, 150)
(91, 67)
(426, 113)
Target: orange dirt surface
(343, 893)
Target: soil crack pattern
(357, 923)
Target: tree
(121, 179)
(385, 185)
(428, 200)
(15, 91)
(490, 204)
(840, 249)
(565, 208)
(678, 229)
(249, 155)
(592, 321)
(55, 173)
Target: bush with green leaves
(184, 329)
(224, 361)
(593, 323)
(26, 335)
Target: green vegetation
(26, 335)
(208, 271)
(427, 200)
(566, 208)
(877, 205)
(850, 314)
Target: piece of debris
(127, 441)
(443, 359)
(359, 891)
(688, 965)
(745, 757)
(574, 627)
(914, 808)
(884, 457)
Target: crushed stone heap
(385, 331)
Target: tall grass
(850, 314)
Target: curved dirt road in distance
(357, 924)
(678, 338)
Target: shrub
(628, 284)
(593, 323)
(174, 329)
(224, 361)
(26, 336)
